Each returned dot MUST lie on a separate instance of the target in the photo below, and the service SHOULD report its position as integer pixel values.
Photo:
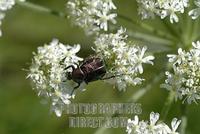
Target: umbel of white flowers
(164, 8)
(92, 15)
(49, 75)
(184, 80)
(154, 126)
(122, 59)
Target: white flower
(174, 126)
(153, 127)
(170, 8)
(6, 4)
(184, 79)
(132, 125)
(196, 45)
(139, 59)
(104, 18)
(162, 8)
(195, 13)
(92, 15)
(147, 8)
(177, 58)
(122, 59)
(49, 75)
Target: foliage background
(24, 30)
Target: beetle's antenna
(71, 66)
(113, 76)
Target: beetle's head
(77, 75)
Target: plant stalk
(183, 119)
(148, 28)
(41, 9)
(167, 105)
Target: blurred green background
(21, 111)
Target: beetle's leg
(69, 73)
(77, 65)
(75, 88)
(106, 78)
(71, 66)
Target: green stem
(170, 29)
(144, 37)
(147, 27)
(149, 38)
(134, 98)
(141, 92)
(187, 28)
(183, 125)
(39, 8)
(196, 30)
(167, 105)
(183, 119)
(188, 32)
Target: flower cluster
(4, 6)
(162, 8)
(185, 78)
(92, 15)
(123, 60)
(49, 75)
(153, 127)
(195, 13)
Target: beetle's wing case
(89, 59)
(94, 69)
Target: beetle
(91, 69)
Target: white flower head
(174, 126)
(162, 8)
(195, 13)
(177, 58)
(132, 124)
(92, 15)
(6, 4)
(123, 60)
(49, 75)
(154, 126)
(147, 8)
(184, 79)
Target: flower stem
(170, 29)
(183, 119)
(134, 98)
(183, 124)
(149, 38)
(141, 92)
(167, 105)
(195, 30)
(39, 8)
(147, 27)
(144, 37)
